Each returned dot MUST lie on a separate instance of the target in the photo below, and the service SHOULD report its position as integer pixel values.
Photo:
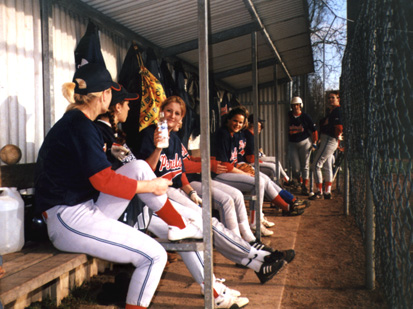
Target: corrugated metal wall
(274, 127)
(21, 86)
(21, 92)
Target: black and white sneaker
(260, 246)
(269, 270)
(276, 255)
(327, 196)
(316, 196)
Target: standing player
(331, 129)
(302, 135)
(79, 195)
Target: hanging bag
(153, 95)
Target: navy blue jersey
(328, 123)
(109, 139)
(170, 161)
(225, 146)
(71, 153)
(299, 128)
(249, 138)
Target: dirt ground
(327, 272)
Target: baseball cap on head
(119, 94)
(92, 77)
(251, 120)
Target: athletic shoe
(228, 301)
(327, 196)
(222, 289)
(269, 270)
(260, 246)
(294, 211)
(316, 196)
(267, 223)
(190, 231)
(304, 191)
(286, 255)
(264, 231)
(300, 204)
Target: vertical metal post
(257, 204)
(370, 238)
(205, 149)
(277, 128)
(47, 61)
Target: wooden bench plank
(29, 279)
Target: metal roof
(171, 28)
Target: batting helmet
(297, 100)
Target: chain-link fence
(377, 100)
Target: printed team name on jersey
(296, 129)
(169, 165)
(234, 154)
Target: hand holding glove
(119, 152)
(195, 197)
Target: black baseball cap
(92, 77)
(119, 94)
(251, 119)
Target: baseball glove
(246, 168)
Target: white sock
(253, 264)
(258, 254)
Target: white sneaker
(264, 231)
(267, 223)
(190, 231)
(226, 301)
(222, 289)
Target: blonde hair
(175, 99)
(76, 100)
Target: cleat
(293, 211)
(227, 301)
(286, 255)
(190, 231)
(327, 196)
(269, 270)
(316, 196)
(267, 223)
(264, 231)
(260, 246)
(222, 289)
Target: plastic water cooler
(11, 220)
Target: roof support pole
(205, 149)
(47, 61)
(277, 128)
(254, 62)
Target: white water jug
(11, 220)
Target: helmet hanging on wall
(297, 100)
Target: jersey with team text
(299, 127)
(170, 160)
